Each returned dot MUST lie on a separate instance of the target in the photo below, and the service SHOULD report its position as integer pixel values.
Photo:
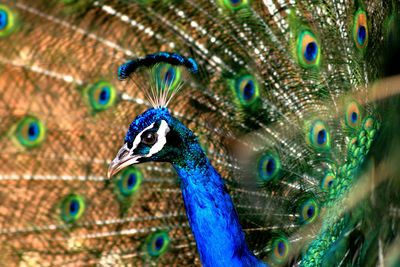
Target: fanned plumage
(288, 103)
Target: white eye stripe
(161, 140)
(138, 138)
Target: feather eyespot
(318, 135)
(308, 211)
(102, 96)
(157, 244)
(360, 30)
(353, 116)
(269, 166)
(167, 77)
(369, 124)
(30, 132)
(280, 249)
(4, 20)
(129, 181)
(247, 90)
(72, 208)
(7, 20)
(308, 49)
(234, 5)
(328, 181)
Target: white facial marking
(125, 157)
(161, 141)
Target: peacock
(199, 133)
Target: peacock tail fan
(287, 102)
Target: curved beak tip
(115, 167)
(121, 161)
(110, 171)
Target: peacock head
(154, 135)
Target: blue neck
(211, 214)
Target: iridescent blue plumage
(212, 216)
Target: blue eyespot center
(321, 139)
(74, 207)
(33, 131)
(361, 34)
(235, 2)
(159, 243)
(281, 248)
(270, 167)
(354, 117)
(3, 19)
(131, 181)
(128, 183)
(104, 96)
(311, 51)
(101, 96)
(330, 183)
(248, 91)
(30, 132)
(310, 211)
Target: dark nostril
(123, 154)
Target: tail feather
(280, 105)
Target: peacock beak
(123, 159)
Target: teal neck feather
(211, 214)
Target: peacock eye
(8, 21)
(308, 49)
(167, 76)
(318, 135)
(308, 211)
(149, 138)
(328, 181)
(157, 244)
(72, 208)
(128, 182)
(30, 132)
(360, 29)
(280, 249)
(269, 166)
(247, 90)
(234, 5)
(353, 116)
(101, 96)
